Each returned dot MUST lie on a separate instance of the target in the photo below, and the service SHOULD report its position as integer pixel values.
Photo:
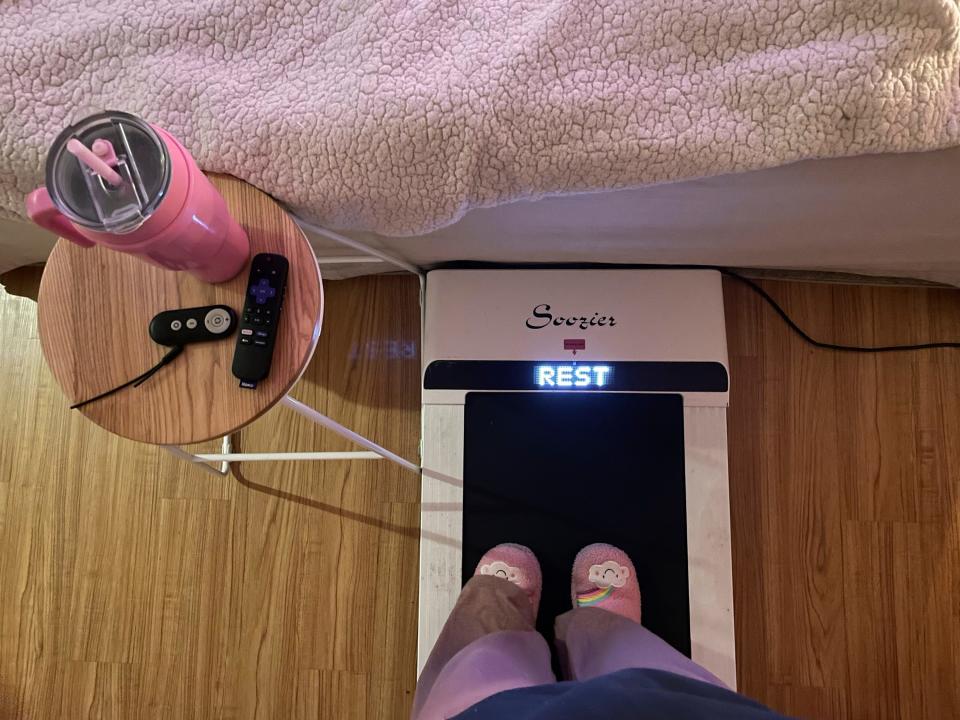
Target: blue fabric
(634, 694)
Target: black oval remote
(261, 313)
(190, 325)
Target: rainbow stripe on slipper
(593, 597)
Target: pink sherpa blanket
(399, 115)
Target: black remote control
(190, 325)
(261, 313)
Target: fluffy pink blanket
(398, 116)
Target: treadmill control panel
(572, 376)
(576, 376)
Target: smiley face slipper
(604, 577)
(516, 564)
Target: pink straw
(96, 161)
(103, 149)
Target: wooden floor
(134, 586)
(845, 503)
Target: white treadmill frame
(687, 324)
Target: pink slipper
(517, 564)
(604, 577)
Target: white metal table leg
(226, 456)
(204, 461)
(264, 457)
(321, 419)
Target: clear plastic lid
(142, 161)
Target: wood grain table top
(95, 306)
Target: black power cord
(137, 381)
(818, 343)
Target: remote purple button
(262, 291)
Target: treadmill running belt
(557, 471)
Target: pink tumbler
(115, 180)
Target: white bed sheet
(892, 215)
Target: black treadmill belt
(557, 471)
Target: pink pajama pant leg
(488, 645)
(593, 642)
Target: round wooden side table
(95, 306)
